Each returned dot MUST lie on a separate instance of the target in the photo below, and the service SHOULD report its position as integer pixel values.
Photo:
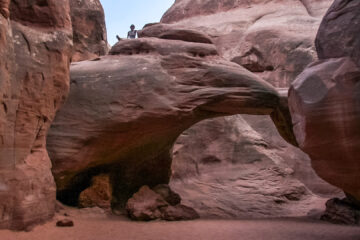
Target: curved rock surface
(324, 101)
(273, 39)
(126, 110)
(89, 29)
(337, 36)
(35, 51)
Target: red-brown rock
(89, 29)
(274, 39)
(339, 31)
(125, 111)
(325, 113)
(145, 205)
(167, 31)
(35, 51)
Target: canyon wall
(35, 51)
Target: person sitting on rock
(132, 34)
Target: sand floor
(97, 226)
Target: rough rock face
(341, 211)
(35, 50)
(89, 29)
(324, 102)
(335, 42)
(274, 39)
(126, 110)
(147, 204)
(223, 168)
(98, 194)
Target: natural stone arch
(126, 110)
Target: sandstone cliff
(35, 51)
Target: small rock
(169, 195)
(179, 213)
(341, 211)
(145, 205)
(65, 223)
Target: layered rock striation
(324, 100)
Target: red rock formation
(324, 101)
(133, 105)
(273, 39)
(88, 21)
(35, 50)
(333, 41)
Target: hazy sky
(120, 14)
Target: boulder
(89, 29)
(126, 110)
(323, 102)
(35, 51)
(146, 205)
(341, 211)
(169, 195)
(337, 36)
(98, 194)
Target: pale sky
(120, 14)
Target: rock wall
(88, 21)
(35, 51)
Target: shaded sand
(94, 226)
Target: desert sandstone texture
(223, 110)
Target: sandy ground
(97, 226)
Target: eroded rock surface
(35, 51)
(273, 39)
(147, 204)
(324, 101)
(89, 29)
(126, 110)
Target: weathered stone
(179, 213)
(339, 30)
(273, 39)
(4, 8)
(145, 205)
(98, 194)
(65, 223)
(169, 195)
(168, 84)
(89, 29)
(341, 211)
(35, 51)
(325, 113)
(166, 31)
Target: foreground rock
(147, 205)
(324, 103)
(335, 42)
(88, 21)
(98, 194)
(35, 51)
(126, 110)
(342, 211)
